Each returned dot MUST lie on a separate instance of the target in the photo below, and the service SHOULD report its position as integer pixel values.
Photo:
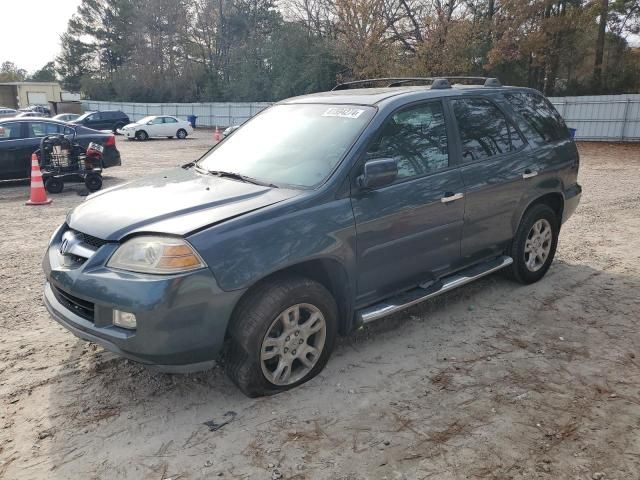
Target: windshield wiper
(239, 177)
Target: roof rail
(435, 82)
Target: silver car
(7, 112)
(66, 117)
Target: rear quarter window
(546, 124)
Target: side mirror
(378, 173)
(150, 123)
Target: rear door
(13, 150)
(170, 126)
(493, 156)
(406, 234)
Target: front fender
(244, 250)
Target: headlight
(155, 254)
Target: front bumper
(181, 319)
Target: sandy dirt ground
(492, 381)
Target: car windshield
(84, 115)
(146, 119)
(297, 145)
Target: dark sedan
(20, 137)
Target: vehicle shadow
(110, 415)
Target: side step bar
(417, 295)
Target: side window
(484, 130)
(156, 121)
(170, 120)
(417, 138)
(541, 116)
(42, 129)
(10, 131)
(94, 117)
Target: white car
(7, 112)
(157, 126)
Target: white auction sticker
(343, 112)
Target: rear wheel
(282, 335)
(534, 245)
(142, 135)
(181, 134)
(54, 185)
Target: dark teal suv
(371, 198)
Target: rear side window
(542, 117)
(10, 131)
(42, 129)
(484, 130)
(170, 120)
(417, 138)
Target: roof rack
(436, 83)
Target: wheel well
(329, 273)
(554, 200)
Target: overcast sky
(30, 30)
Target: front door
(409, 232)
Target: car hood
(178, 202)
(132, 124)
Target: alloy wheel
(293, 344)
(538, 245)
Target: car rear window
(545, 122)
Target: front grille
(95, 242)
(78, 306)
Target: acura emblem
(68, 241)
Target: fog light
(124, 319)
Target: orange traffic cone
(38, 193)
(216, 135)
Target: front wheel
(142, 135)
(93, 182)
(534, 245)
(282, 335)
(54, 185)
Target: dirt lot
(492, 381)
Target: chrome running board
(417, 295)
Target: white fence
(209, 114)
(596, 117)
(612, 118)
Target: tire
(142, 135)
(181, 134)
(530, 267)
(54, 185)
(93, 182)
(261, 315)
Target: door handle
(529, 174)
(451, 197)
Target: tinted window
(42, 129)
(417, 138)
(484, 130)
(541, 116)
(10, 131)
